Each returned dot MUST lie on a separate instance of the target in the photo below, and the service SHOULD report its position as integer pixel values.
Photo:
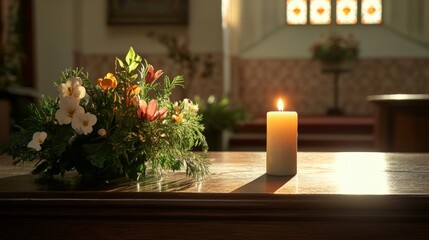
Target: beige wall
(66, 27)
(54, 41)
(375, 42)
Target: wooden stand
(336, 69)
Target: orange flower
(108, 82)
(133, 95)
(150, 111)
(151, 75)
(178, 117)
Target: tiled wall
(256, 83)
(309, 91)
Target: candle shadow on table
(264, 184)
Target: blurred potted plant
(218, 116)
(335, 50)
(336, 53)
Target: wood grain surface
(334, 195)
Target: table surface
(319, 173)
(392, 98)
(334, 195)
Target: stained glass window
(296, 12)
(320, 11)
(371, 12)
(346, 12)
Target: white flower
(68, 108)
(189, 106)
(82, 123)
(38, 139)
(72, 88)
(186, 102)
(194, 108)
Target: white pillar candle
(282, 134)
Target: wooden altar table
(357, 195)
(401, 122)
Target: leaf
(138, 58)
(134, 77)
(120, 63)
(136, 170)
(130, 56)
(62, 134)
(132, 66)
(98, 154)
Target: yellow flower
(133, 95)
(108, 82)
(178, 117)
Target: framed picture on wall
(147, 12)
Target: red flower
(151, 75)
(150, 111)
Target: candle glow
(280, 105)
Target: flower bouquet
(335, 49)
(123, 125)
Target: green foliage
(125, 140)
(220, 115)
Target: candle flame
(280, 105)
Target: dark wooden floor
(315, 133)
